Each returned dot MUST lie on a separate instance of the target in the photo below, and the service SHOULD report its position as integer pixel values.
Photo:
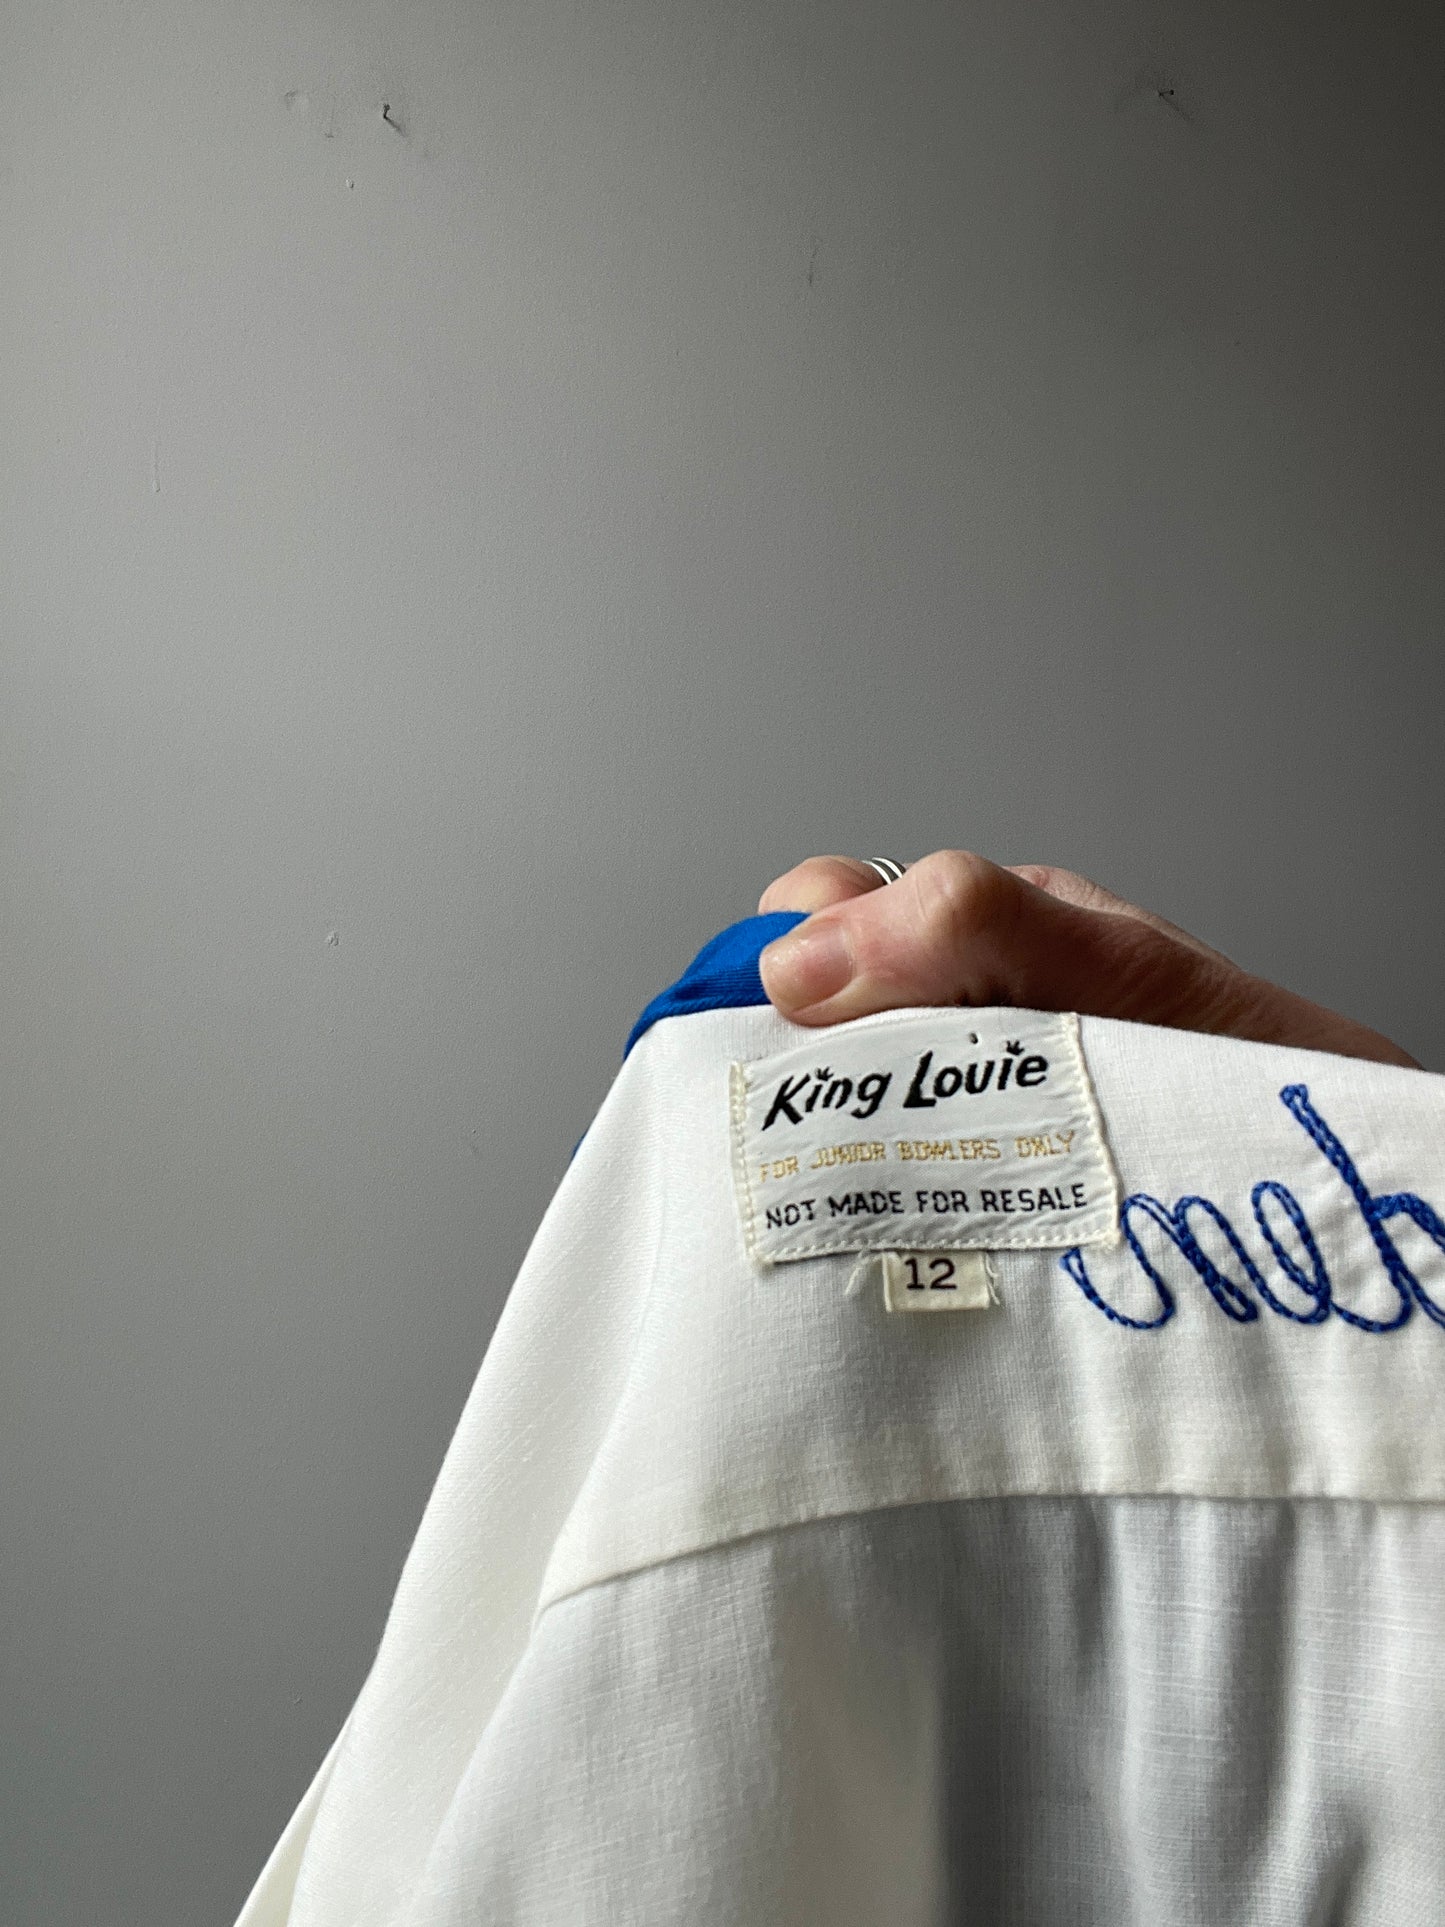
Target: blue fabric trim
(723, 975)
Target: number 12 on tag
(937, 1281)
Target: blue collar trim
(723, 975)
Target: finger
(818, 882)
(957, 929)
(1069, 887)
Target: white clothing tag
(923, 1130)
(937, 1281)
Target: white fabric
(1175, 1712)
(643, 1666)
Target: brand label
(924, 1131)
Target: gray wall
(446, 569)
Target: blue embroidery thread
(1317, 1287)
(1375, 1211)
(1073, 1263)
(1231, 1297)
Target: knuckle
(1067, 885)
(958, 894)
(1046, 876)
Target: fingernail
(807, 966)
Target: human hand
(957, 929)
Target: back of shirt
(968, 1465)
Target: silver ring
(885, 866)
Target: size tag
(939, 1130)
(937, 1281)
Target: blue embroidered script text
(1274, 1202)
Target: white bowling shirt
(1108, 1591)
